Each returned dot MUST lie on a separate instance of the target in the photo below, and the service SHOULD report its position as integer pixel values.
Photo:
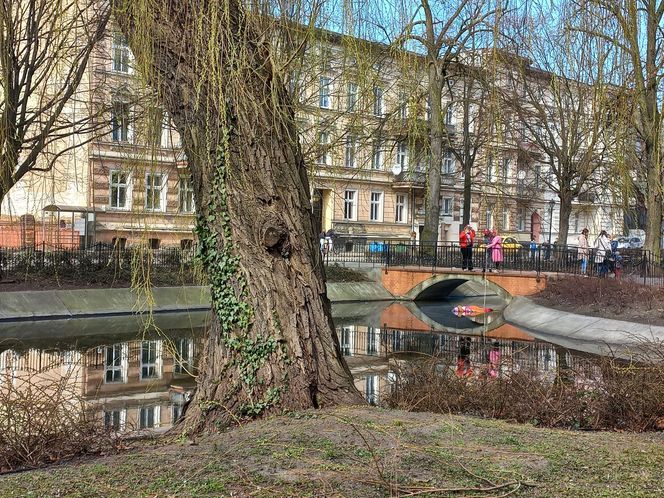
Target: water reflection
(140, 381)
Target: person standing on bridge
(496, 247)
(583, 250)
(466, 241)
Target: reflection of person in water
(494, 360)
(463, 368)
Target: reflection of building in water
(368, 351)
(126, 384)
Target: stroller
(615, 260)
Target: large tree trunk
(564, 215)
(653, 202)
(271, 345)
(432, 200)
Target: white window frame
(350, 152)
(505, 171)
(449, 114)
(120, 46)
(162, 189)
(448, 163)
(447, 206)
(377, 156)
(402, 155)
(324, 93)
(521, 219)
(347, 340)
(184, 356)
(376, 202)
(350, 204)
(373, 341)
(490, 173)
(156, 364)
(122, 419)
(324, 144)
(122, 123)
(127, 184)
(156, 416)
(379, 104)
(186, 202)
(351, 98)
(120, 352)
(489, 216)
(401, 208)
(505, 219)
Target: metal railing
(633, 264)
(113, 262)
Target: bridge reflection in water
(139, 381)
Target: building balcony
(410, 179)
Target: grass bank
(367, 452)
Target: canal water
(137, 376)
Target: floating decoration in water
(470, 310)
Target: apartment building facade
(363, 117)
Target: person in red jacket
(466, 240)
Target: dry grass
(44, 420)
(600, 394)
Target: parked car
(635, 243)
(509, 243)
(623, 242)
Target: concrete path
(581, 332)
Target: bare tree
(634, 28)
(272, 344)
(443, 30)
(562, 102)
(45, 47)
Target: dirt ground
(366, 452)
(607, 298)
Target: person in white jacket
(583, 250)
(602, 253)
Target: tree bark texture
(271, 345)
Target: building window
(400, 208)
(346, 340)
(351, 102)
(376, 206)
(403, 105)
(155, 192)
(184, 356)
(119, 243)
(402, 155)
(373, 340)
(324, 99)
(149, 417)
(489, 169)
(350, 205)
(121, 54)
(448, 163)
(350, 153)
(449, 115)
(371, 389)
(378, 109)
(324, 145)
(121, 127)
(506, 219)
(115, 365)
(154, 243)
(446, 206)
(377, 156)
(538, 175)
(185, 195)
(150, 359)
(521, 219)
(489, 216)
(114, 420)
(186, 244)
(119, 189)
(505, 173)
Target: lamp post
(552, 204)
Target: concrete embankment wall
(88, 303)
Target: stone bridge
(416, 283)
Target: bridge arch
(441, 285)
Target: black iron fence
(634, 264)
(101, 263)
